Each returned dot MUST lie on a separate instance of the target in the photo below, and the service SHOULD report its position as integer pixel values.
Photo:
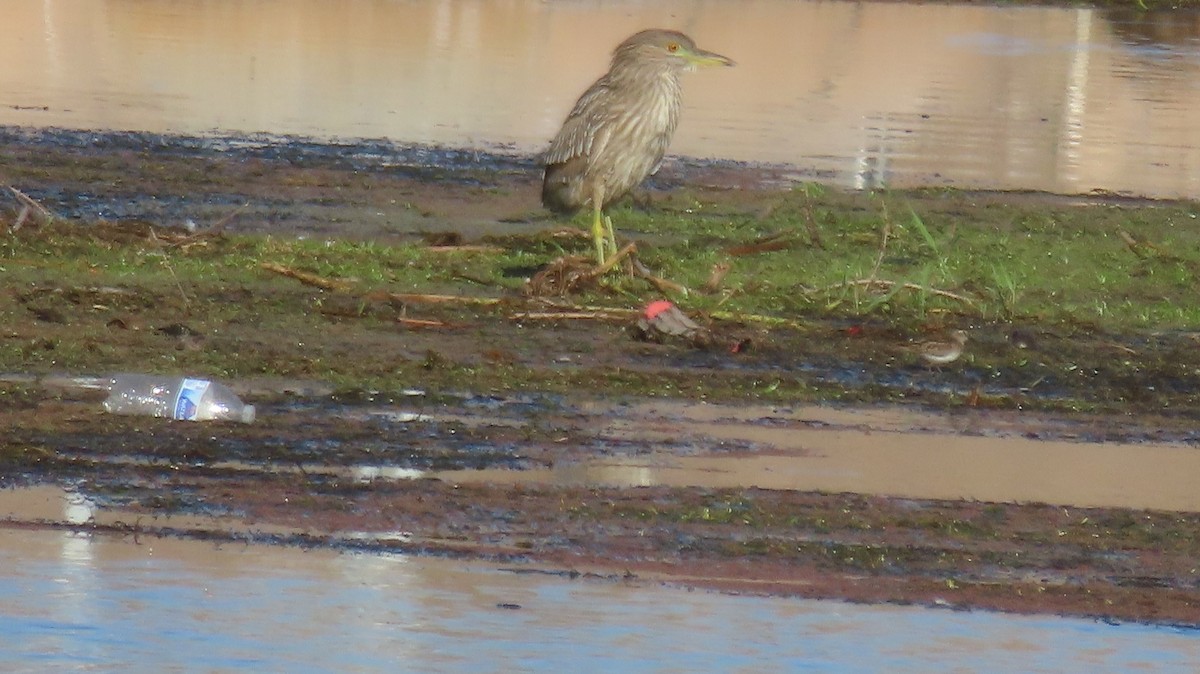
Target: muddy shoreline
(287, 479)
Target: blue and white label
(187, 405)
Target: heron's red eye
(672, 47)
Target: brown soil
(285, 479)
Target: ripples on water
(78, 603)
(1067, 100)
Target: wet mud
(517, 473)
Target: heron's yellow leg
(597, 225)
(612, 239)
(598, 235)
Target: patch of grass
(997, 258)
(98, 297)
(1064, 264)
(992, 260)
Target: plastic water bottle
(175, 398)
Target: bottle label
(187, 405)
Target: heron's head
(666, 49)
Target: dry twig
(29, 208)
(16, 226)
(868, 282)
(422, 323)
(604, 315)
(663, 285)
(569, 273)
(425, 298)
(1135, 246)
(756, 318)
(628, 250)
(307, 278)
(559, 306)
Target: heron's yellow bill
(706, 59)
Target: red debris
(661, 320)
(656, 307)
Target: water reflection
(1067, 100)
(171, 605)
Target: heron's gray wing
(582, 131)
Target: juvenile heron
(620, 127)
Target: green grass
(96, 297)
(986, 258)
(1016, 260)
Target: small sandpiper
(942, 352)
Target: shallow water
(892, 452)
(865, 450)
(74, 602)
(979, 455)
(860, 94)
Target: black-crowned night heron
(620, 127)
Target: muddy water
(889, 452)
(74, 602)
(984, 456)
(1066, 100)
(884, 451)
